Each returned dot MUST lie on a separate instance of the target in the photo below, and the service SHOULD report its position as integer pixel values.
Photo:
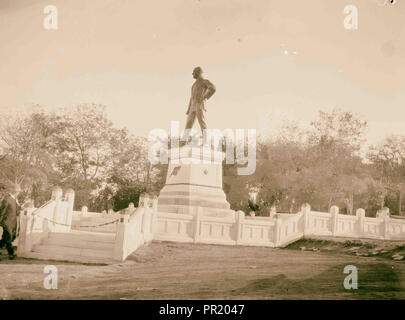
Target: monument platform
(194, 179)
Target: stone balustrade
(36, 223)
(278, 230)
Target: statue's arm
(210, 89)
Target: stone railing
(136, 227)
(53, 216)
(354, 226)
(276, 231)
(85, 220)
(200, 228)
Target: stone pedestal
(194, 179)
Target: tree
(83, 143)
(126, 195)
(336, 139)
(26, 157)
(338, 128)
(129, 172)
(75, 148)
(388, 158)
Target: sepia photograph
(202, 155)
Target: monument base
(194, 179)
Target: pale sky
(268, 60)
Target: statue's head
(197, 72)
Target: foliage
(76, 148)
(388, 159)
(126, 195)
(320, 165)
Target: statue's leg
(189, 124)
(203, 125)
(190, 120)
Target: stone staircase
(75, 246)
(55, 232)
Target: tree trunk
(400, 202)
(351, 203)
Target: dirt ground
(163, 270)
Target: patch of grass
(375, 281)
(369, 246)
(366, 248)
(306, 242)
(399, 248)
(379, 281)
(352, 243)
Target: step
(83, 236)
(78, 243)
(102, 229)
(54, 250)
(71, 258)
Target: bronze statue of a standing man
(201, 90)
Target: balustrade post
(306, 210)
(146, 220)
(57, 197)
(360, 213)
(83, 212)
(70, 199)
(277, 231)
(386, 220)
(334, 210)
(131, 208)
(240, 218)
(154, 222)
(120, 239)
